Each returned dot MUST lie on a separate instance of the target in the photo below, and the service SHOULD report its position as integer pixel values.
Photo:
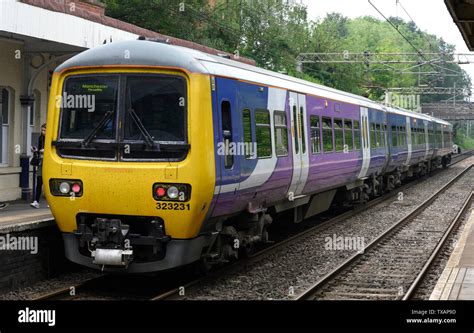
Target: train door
(427, 141)
(409, 143)
(364, 121)
(297, 104)
(227, 134)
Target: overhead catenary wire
(420, 53)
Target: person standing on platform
(39, 175)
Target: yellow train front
(128, 179)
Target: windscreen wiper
(148, 138)
(96, 129)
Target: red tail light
(76, 188)
(160, 192)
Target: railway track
(93, 289)
(68, 292)
(393, 264)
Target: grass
(464, 141)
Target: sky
(431, 16)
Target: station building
(35, 37)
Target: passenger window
(373, 136)
(227, 134)
(247, 128)
(281, 133)
(315, 135)
(263, 133)
(394, 136)
(338, 135)
(328, 145)
(356, 135)
(348, 134)
(379, 136)
(401, 136)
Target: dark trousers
(39, 185)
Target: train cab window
(227, 133)
(315, 135)
(160, 105)
(247, 131)
(373, 136)
(281, 133)
(328, 145)
(338, 135)
(348, 135)
(356, 135)
(263, 133)
(155, 111)
(77, 122)
(394, 136)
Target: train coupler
(112, 257)
(110, 244)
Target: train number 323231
(172, 206)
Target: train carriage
(182, 155)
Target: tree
(275, 32)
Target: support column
(26, 105)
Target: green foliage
(461, 138)
(275, 32)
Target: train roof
(151, 53)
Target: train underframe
(238, 234)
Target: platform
(457, 280)
(20, 216)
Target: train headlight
(171, 192)
(66, 187)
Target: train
(159, 156)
